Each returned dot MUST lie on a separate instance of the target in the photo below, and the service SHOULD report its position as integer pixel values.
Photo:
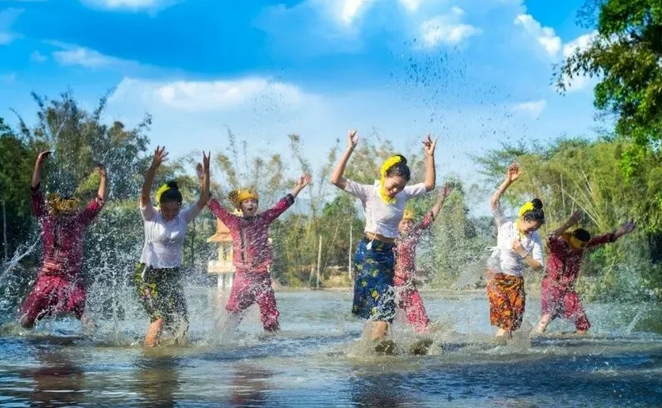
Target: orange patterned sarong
(507, 299)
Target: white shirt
(164, 240)
(382, 218)
(504, 259)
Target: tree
(625, 54)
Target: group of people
(384, 262)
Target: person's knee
(27, 322)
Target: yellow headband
(526, 208)
(162, 190)
(238, 196)
(57, 204)
(408, 215)
(390, 162)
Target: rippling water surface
(317, 360)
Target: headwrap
(59, 205)
(528, 206)
(390, 162)
(162, 190)
(574, 242)
(238, 196)
(408, 215)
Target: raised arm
(303, 181)
(574, 219)
(95, 206)
(430, 169)
(441, 198)
(626, 228)
(203, 175)
(36, 174)
(159, 157)
(512, 175)
(102, 193)
(38, 205)
(337, 177)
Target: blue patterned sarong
(374, 295)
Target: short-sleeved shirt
(382, 218)
(504, 259)
(164, 240)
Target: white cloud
(36, 56)
(532, 108)
(73, 55)
(134, 5)
(351, 9)
(580, 43)
(7, 19)
(447, 29)
(204, 96)
(544, 36)
(411, 5)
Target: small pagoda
(223, 265)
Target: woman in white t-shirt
(383, 205)
(157, 276)
(518, 246)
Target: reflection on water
(157, 379)
(316, 361)
(250, 385)
(57, 380)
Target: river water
(317, 360)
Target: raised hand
(303, 181)
(160, 155)
(352, 139)
(101, 169)
(41, 158)
(576, 216)
(429, 145)
(200, 171)
(513, 173)
(626, 228)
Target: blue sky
(473, 72)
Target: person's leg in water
(551, 305)
(42, 301)
(242, 296)
(266, 300)
(575, 309)
(412, 304)
(507, 302)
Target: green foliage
(574, 174)
(625, 55)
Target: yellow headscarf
(162, 190)
(237, 196)
(574, 242)
(59, 205)
(528, 206)
(390, 162)
(408, 215)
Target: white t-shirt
(504, 259)
(164, 240)
(382, 218)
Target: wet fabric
(374, 294)
(161, 293)
(62, 236)
(507, 300)
(53, 295)
(251, 287)
(250, 235)
(410, 301)
(558, 301)
(58, 288)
